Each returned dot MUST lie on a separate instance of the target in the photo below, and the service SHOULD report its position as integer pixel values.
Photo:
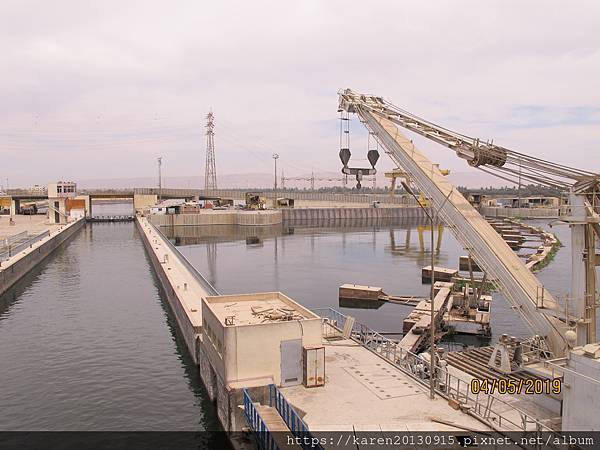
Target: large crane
(540, 311)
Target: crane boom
(523, 290)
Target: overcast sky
(99, 89)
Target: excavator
(556, 327)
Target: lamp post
(432, 352)
(275, 158)
(159, 160)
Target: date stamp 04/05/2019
(528, 386)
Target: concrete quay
(32, 225)
(17, 265)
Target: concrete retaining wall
(13, 271)
(522, 213)
(244, 218)
(351, 213)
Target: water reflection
(419, 252)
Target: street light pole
(159, 160)
(275, 158)
(432, 350)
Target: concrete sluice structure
(264, 359)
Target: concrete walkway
(33, 225)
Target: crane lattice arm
(523, 290)
(485, 155)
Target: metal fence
(291, 418)
(296, 425)
(496, 412)
(264, 438)
(14, 249)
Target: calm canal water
(309, 264)
(87, 343)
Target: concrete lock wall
(523, 213)
(187, 328)
(209, 217)
(9, 275)
(351, 213)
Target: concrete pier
(18, 264)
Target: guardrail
(291, 418)
(13, 250)
(14, 238)
(209, 288)
(121, 218)
(448, 386)
(264, 438)
(297, 195)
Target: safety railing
(264, 438)
(120, 218)
(14, 249)
(209, 288)
(14, 238)
(297, 195)
(449, 386)
(291, 418)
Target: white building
(59, 194)
(62, 189)
(258, 339)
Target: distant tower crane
(210, 171)
(312, 179)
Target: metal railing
(14, 249)
(119, 218)
(264, 438)
(291, 418)
(209, 288)
(14, 238)
(297, 195)
(447, 385)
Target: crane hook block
(373, 156)
(345, 156)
